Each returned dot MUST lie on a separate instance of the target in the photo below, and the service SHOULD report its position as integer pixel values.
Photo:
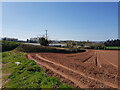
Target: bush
(97, 47)
(43, 41)
(32, 48)
(9, 45)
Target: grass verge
(27, 74)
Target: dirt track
(85, 70)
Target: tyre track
(60, 73)
(77, 72)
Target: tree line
(112, 42)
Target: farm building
(36, 40)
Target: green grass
(26, 75)
(113, 48)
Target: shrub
(9, 45)
(32, 48)
(43, 41)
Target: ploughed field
(90, 69)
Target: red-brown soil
(110, 57)
(90, 69)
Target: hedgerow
(32, 48)
(9, 45)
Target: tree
(27, 40)
(112, 42)
(70, 44)
(43, 41)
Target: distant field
(116, 48)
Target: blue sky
(63, 20)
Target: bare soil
(90, 69)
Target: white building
(35, 39)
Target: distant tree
(112, 42)
(43, 41)
(4, 38)
(82, 45)
(50, 41)
(69, 44)
(27, 40)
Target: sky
(94, 21)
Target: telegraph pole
(46, 34)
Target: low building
(36, 40)
(10, 39)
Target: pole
(46, 34)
